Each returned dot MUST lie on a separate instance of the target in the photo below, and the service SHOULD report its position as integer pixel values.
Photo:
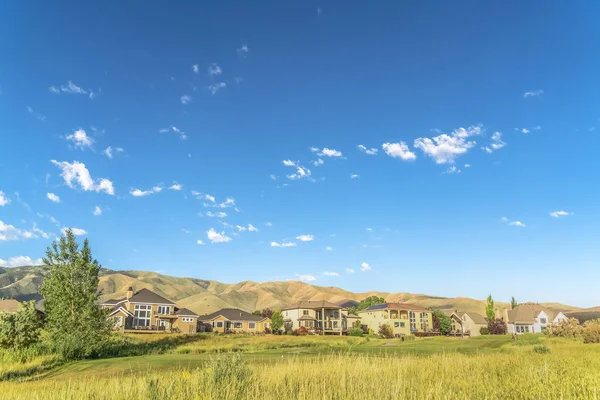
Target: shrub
(302, 331)
(386, 332)
(568, 328)
(356, 331)
(484, 330)
(541, 349)
(591, 331)
(496, 327)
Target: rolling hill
(203, 296)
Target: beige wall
(399, 320)
(470, 326)
(259, 327)
(186, 327)
(329, 316)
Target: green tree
(77, 327)
(369, 301)
(276, 321)
(513, 303)
(441, 322)
(256, 312)
(386, 332)
(21, 329)
(489, 309)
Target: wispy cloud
(214, 70)
(200, 242)
(76, 231)
(195, 68)
(518, 224)
(305, 238)
(364, 267)
(20, 261)
(52, 197)
(446, 148)
(109, 151)
(328, 273)
(497, 143)
(318, 162)
(36, 115)
(306, 278)
(76, 173)
(80, 139)
(219, 214)
(97, 211)
(350, 270)
(533, 93)
(452, 170)
(372, 151)
(329, 153)
(399, 150)
(216, 237)
(243, 51)
(301, 172)
(141, 193)
(252, 228)
(329, 248)
(174, 129)
(214, 88)
(185, 99)
(284, 244)
(560, 214)
(3, 199)
(71, 88)
(176, 186)
(9, 232)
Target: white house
(531, 318)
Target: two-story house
(319, 316)
(530, 318)
(404, 319)
(468, 323)
(147, 312)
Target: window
(286, 313)
(402, 325)
(164, 310)
(543, 321)
(219, 324)
(266, 325)
(251, 325)
(336, 314)
(187, 319)
(304, 312)
(527, 329)
(424, 322)
(237, 325)
(141, 315)
(396, 324)
(413, 321)
(335, 324)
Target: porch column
(323, 320)
(340, 321)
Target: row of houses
(147, 312)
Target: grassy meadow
(275, 367)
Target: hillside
(204, 296)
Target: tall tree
(21, 329)
(513, 303)
(369, 301)
(276, 321)
(441, 322)
(76, 325)
(489, 309)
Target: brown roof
(148, 296)
(119, 307)
(312, 305)
(9, 305)
(113, 301)
(527, 312)
(477, 318)
(307, 318)
(395, 306)
(185, 312)
(233, 314)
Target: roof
(346, 303)
(527, 312)
(185, 312)
(312, 305)
(116, 308)
(113, 301)
(233, 314)
(148, 296)
(9, 305)
(307, 318)
(395, 306)
(477, 318)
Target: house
(147, 312)
(228, 320)
(468, 323)
(530, 318)
(319, 316)
(403, 318)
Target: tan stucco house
(234, 320)
(319, 316)
(147, 312)
(468, 323)
(403, 318)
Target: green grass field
(257, 367)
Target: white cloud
(78, 173)
(182, 135)
(219, 214)
(467, 165)
(195, 68)
(81, 139)
(210, 198)
(372, 151)
(537, 128)
(301, 172)
(289, 163)
(504, 219)
(53, 197)
(517, 223)
(20, 261)
(141, 193)
(108, 152)
(38, 116)
(364, 267)
(318, 162)
(329, 248)
(284, 244)
(252, 228)
(268, 224)
(41, 232)
(497, 143)
(273, 177)
(446, 148)
(354, 176)
(240, 228)
(523, 130)
(3, 199)
(214, 70)
(199, 241)
(330, 153)
(9, 232)
(242, 51)
(452, 170)
(214, 88)
(327, 273)
(305, 238)
(399, 150)
(175, 186)
(369, 229)
(533, 93)
(216, 237)
(350, 270)
(185, 99)
(558, 214)
(97, 211)
(71, 88)
(76, 231)
(306, 278)
(314, 149)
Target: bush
(568, 328)
(497, 327)
(356, 331)
(541, 349)
(484, 330)
(386, 332)
(591, 331)
(302, 331)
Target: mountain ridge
(205, 296)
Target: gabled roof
(312, 305)
(477, 318)
(113, 301)
(184, 312)
(526, 313)
(148, 296)
(116, 308)
(395, 306)
(233, 314)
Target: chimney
(129, 292)
(505, 315)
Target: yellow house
(468, 323)
(404, 319)
(233, 320)
(148, 312)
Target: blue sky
(480, 126)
